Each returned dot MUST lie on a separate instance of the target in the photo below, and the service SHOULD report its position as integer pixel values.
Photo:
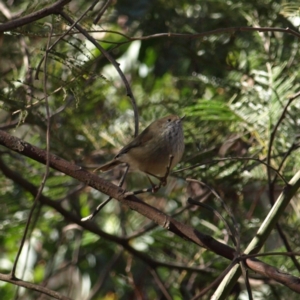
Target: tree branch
(32, 286)
(184, 231)
(55, 8)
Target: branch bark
(184, 231)
(55, 8)
(32, 286)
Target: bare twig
(62, 36)
(160, 284)
(102, 11)
(271, 182)
(104, 275)
(101, 205)
(213, 161)
(228, 227)
(54, 8)
(233, 230)
(229, 30)
(114, 63)
(215, 282)
(32, 286)
(43, 182)
(270, 148)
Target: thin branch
(160, 284)
(215, 282)
(32, 286)
(102, 11)
(54, 8)
(114, 63)
(272, 138)
(233, 158)
(229, 30)
(62, 36)
(271, 182)
(259, 240)
(101, 205)
(104, 275)
(245, 274)
(43, 182)
(218, 215)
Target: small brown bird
(150, 151)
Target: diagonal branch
(114, 63)
(54, 8)
(182, 230)
(34, 287)
(116, 192)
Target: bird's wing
(142, 139)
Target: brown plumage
(149, 152)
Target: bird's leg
(155, 187)
(162, 180)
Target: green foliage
(233, 87)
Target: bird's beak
(182, 118)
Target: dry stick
(215, 282)
(103, 276)
(102, 11)
(271, 253)
(238, 243)
(13, 271)
(214, 211)
(62, 36)
(271, 183)
(229, 30)
(233, 158)
(160, 283)
(114, 63)
(152, 225)
(54, 8)
(245, 274)
(57, 7)
(235, 230)
(272, 138)
(34, 287)
(101, 205)
(218, 31)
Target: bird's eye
(169, 120)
